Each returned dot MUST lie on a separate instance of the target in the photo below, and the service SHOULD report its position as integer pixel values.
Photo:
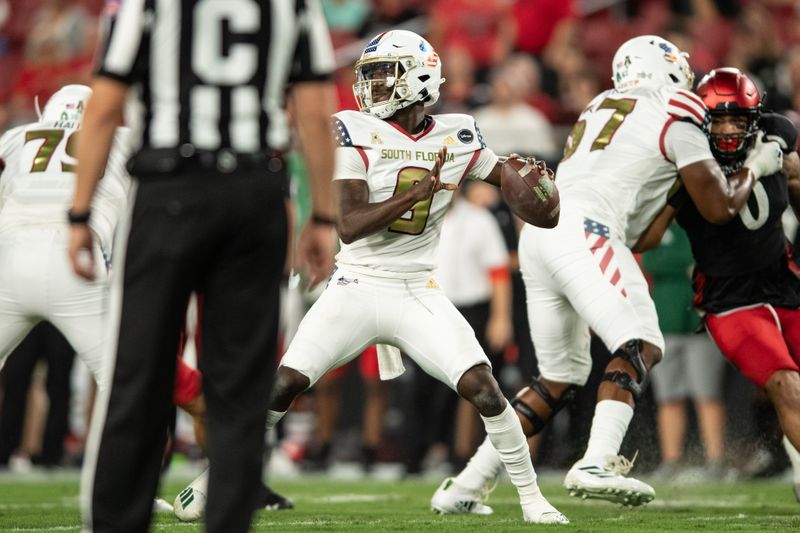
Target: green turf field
(50, 504)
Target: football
(532, 197)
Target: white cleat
(541, 512)
(605, 480)
(161, 505)
(450, 498)
(190, 504)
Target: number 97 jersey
(391, 160)
(622, 155)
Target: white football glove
(765, 158)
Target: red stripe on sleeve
(694, 98)
(364, 157)
(661, 137)
(471, 164)
(688, 108)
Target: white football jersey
(622, 155)
(38, 181)
(391, 160)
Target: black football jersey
(748, 259)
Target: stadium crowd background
(525, 69)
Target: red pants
(187, 384)
(759, 341)
(188, 380)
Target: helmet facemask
(381, 86)
(732, 147)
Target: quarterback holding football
(396, 170)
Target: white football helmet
(396, 69)
(650, 61)
(66, 105)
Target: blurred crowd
(525, 69)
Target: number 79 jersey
(390, 161)
(622, 155)
(38, 180)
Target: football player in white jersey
(36, 280)
(620, 160)
(395, 172)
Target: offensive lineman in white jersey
(36, 279)
(619, 163)
(395, 172)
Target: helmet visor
(379, 80)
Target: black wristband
(78, 218)
(319, 219)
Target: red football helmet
(727, 91)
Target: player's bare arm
(359, 218)
(311, 106)
(718, 199)
(655, 231)
(102, 117)
(791, 167)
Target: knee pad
(631, 352)
(540, 421)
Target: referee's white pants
(37, 283)
(575, 280)
(357, 310)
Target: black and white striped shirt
(213, 73)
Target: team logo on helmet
(373, 44)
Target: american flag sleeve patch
(591, 226)
(340, 133)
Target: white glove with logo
(765, 158)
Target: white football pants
(37, 283)
(358, 310)
(578, 276)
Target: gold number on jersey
(50, 141)
(574, 139)
(415, 225)
(70, 150)
(622, 109)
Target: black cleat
(270, 500)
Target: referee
(208, 214)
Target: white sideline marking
(353, 498)
(77, 528)
(13, 506)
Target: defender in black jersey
(746, 282)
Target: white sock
(273, 417)
(610, 423)
(483, 467)
(505, 433)
(794, 458)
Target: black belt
(155, 162)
